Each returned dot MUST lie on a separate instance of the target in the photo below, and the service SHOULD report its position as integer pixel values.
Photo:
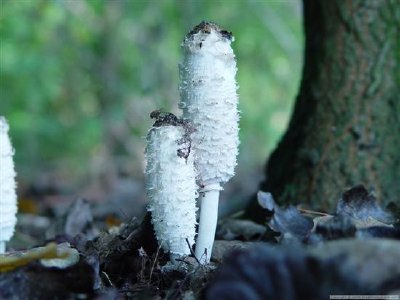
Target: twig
(306, 211)
(154, 263)
(126, 217)
(204, 255)
(108, 278)
(191, 251)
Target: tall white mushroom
(8, 196)
(209, 100)
(171, 184)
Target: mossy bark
(345, 127)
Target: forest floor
(296, 254)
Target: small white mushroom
(209, 100)
(171, 187)
(8, 196)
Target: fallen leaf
(359, 204)
(287, 221)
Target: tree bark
(345, 128)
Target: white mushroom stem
(209, 100)
(171, 189)
(8, 196)
(209, 199)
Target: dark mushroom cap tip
(206, 27)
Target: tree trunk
(345, 127)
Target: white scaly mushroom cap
(8, 196)
(209, 100)
(171, 189)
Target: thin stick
(306, 211)
(108, 278)
(154, 263)
(192, 252)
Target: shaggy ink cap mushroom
(209, 101)
(171, 184)
(8, 196)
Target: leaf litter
(125, 262)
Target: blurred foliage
(79, 78)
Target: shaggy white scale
(8, 196)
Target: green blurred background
(79, 79)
